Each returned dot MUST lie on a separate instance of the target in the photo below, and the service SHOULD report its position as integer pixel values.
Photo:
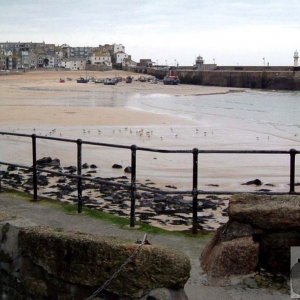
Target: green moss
(122, 222)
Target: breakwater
(274, 79)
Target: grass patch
(121, 222)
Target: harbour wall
(260, 79)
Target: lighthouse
(296, 57)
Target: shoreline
(32, 103)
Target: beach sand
(36, 102)
(38, 98)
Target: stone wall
(275, 80)
(44, 263)
(258, 235)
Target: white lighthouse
(296, 57)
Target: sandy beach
(29, 98)
(36, 102)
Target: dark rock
(48, 161)
(213, 185)
(92, 166)
(42, 180)
(207, 204)
(71, 169)
(116, 166)
(66, 189)
(11, 168)
(127, 170)
(171, 187)
(253, 182)
(85, 166)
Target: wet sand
(36, 102)
(38, 98)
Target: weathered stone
(266, 212)
(225, 256)
(89, 260)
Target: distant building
(100, 58)
(200, 65)
(82, 52)
(145, 62)
(118, 48)
(28, 55)
(73, 64)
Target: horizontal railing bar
(163, 150)
(15, 165)
(15, 134)
(55, 139)
(106, 145)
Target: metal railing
(132, 187)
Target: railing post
(34, 167)
(133, 185)
(79, 180)
(292, 170)
(195, 190)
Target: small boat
(99, 81)
(62, 80)
(82, 80)
(142, 79)
(171, 80)
(110, 81)
(128, 79)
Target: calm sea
(268, 113)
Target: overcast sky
(233, 32)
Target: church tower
(296, 57)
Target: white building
(100, 58)
(120, 57)
(118, 48)
(73, 64)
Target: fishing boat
(128, 79)
(110, 81)
(82, 80)
(171, 80)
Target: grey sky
(231, 31)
